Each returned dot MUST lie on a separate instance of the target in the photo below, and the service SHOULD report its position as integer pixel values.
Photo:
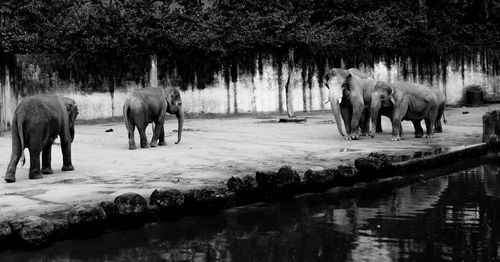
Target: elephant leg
(438, 126)
(379, 123)
(46, 159)
(157, 131)
(144, 139)
(357, 112)
(162, 137)
(34, 172)
(66, 153)
(10, 175)
(430, 128)
(346, 113)
(419, 132)
(365, 123)
(131, 139)
(17, 151)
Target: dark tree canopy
(221, 27)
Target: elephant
(37, 122)
(408, 101)
(350, 96)
(150, 105)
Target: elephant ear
(347, 83)
(72, 109)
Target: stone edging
(132, 210)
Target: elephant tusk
(327, 101)
(340, 100)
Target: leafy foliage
(222, 27)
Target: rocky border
(128, 210)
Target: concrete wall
(8, 98)
(256, 92)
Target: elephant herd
(360, 100)
(40, 119)
(356, 97)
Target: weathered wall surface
(8, 95)
(225, 89)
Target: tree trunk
(290, 84)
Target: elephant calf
(409, 101)
(149, 105)
(37, 122)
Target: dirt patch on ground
(211, 151)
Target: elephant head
(174, 106)
(337, 81)
(382, 96)
(72, 109)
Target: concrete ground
(212, 150)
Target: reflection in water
(452, 217)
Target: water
(452, 217)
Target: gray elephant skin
(150, 105)
(37, 122)
(409, 101)
(350, 97)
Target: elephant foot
(379, 130)
(438, 130)
(429, 136)
(10, 178)
(365, 134)
(47, 171)
(396, 138)
(162, 143)
(68, 168)
(153, 144)
(132, 147)
(419, 135)
(145, 146)
(35, 176)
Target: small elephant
(37, 122)
(350, 96)
(408, 101)
(149, 105)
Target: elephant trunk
(374, 108)
(334, 102)
(180, 118)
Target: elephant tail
(20, 133)
(126, 114)
(444, 119)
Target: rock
(132, 208)
(235, 184)
(320, 180)
(168, 201)
(245, 189)
(32, 231)
(61, 229)
(87, 220)
(287, 181)
(111, 212)
(282, 184)
(346, 175)
(5, 232)
(374, 166)
(208, 199)
(266, 180)
(245, 185)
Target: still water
(448, 218)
